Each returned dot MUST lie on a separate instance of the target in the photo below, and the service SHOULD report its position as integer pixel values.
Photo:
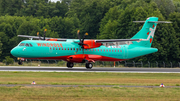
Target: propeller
(81, 41)
(44, 38)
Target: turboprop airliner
(88, 50)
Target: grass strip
(90, 78)
(88, 93)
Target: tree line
(102, 19)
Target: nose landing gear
(20, 62)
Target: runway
(94, 69)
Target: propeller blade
(39, 36)
(84, 37)
(79, 35)
(45, 34)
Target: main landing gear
(70, 64)
(88, 65)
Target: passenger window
(77, 49)
(115, 50)
(98, 50)
(74, 48)
(94, 49)
(121, 50)
(22, 44)
(101, 50)
(112, 50)
(109, 50)
(56, 48)
(27, 44)
(91, 49)
(118, 50)
(59, 48)
(65, 48)
(68, 48)
(71, 48)
(104, 50)
(62, 48)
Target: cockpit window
(30, 45)
(27, 44)
(22, 44)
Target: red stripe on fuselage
(79, 60)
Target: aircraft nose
(14, 52)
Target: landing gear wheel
(70, 64)
(89, 65)
(20, 62)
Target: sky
(54, 0)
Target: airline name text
(49, 45)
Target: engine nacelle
(52, 39)
(80, 58)
(76, 58)
(91, 44)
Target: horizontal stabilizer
(152, 21)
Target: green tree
(90, 13)
(165, 6)
(8, 60)
(0, 47)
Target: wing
(36, 37)
(117, 40)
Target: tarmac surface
(94, 69)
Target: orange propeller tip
(78, 31)
(86, 33)
(37, 33)
(45, 29)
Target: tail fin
(146, 33)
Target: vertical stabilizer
(146, 33)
